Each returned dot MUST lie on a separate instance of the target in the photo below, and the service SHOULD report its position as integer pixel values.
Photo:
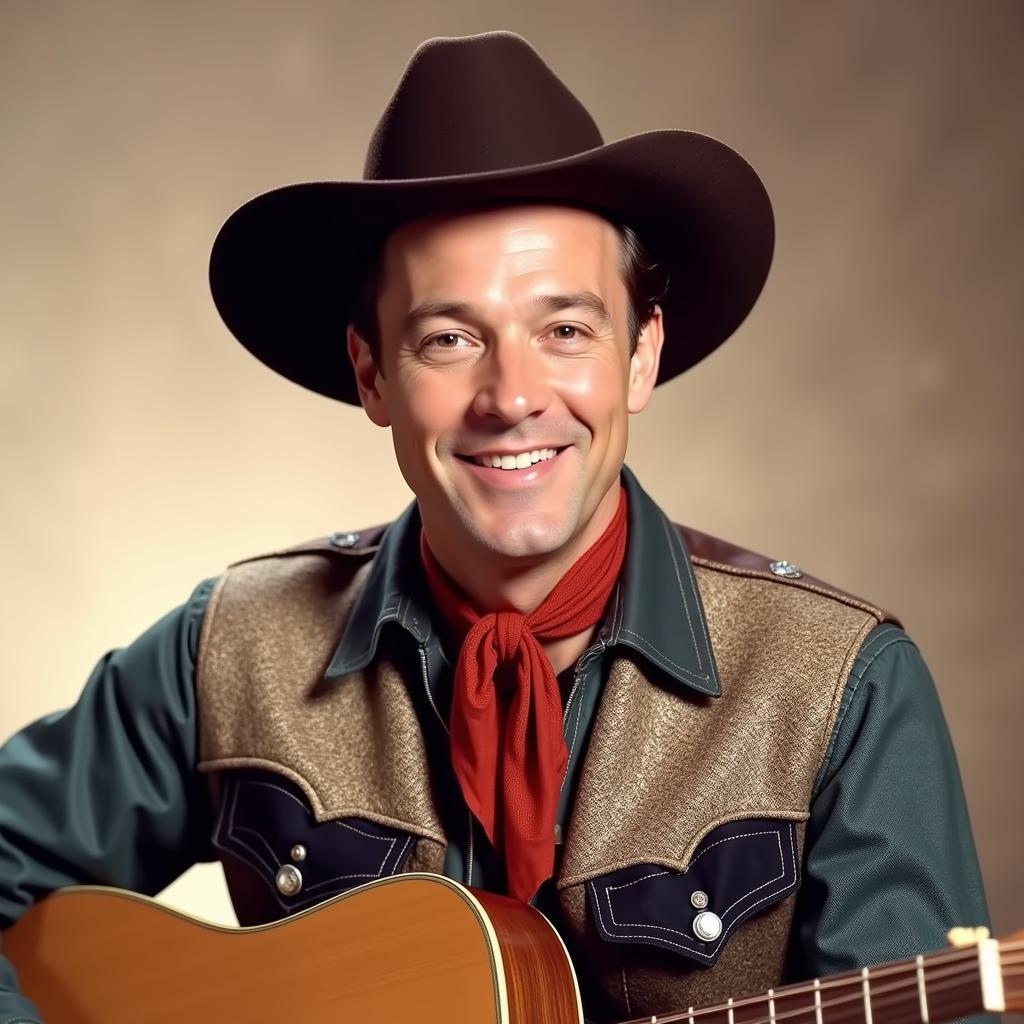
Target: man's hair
(646, 282)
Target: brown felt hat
(483, 120)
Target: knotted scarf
(507, 745)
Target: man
(714, 773)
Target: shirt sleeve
(890, 863)
(106, 793)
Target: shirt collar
(656, 610)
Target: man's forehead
(502, 229)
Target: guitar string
(883, 999)
(881, 973)
(952, 976)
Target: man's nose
(513, 382)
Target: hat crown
(474, 104)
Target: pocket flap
(738, 870)
(266, 821)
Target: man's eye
(566, 332)
(447, 340)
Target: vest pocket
(266, 822)
(739, 869)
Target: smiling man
(712, 772)
(504, 366)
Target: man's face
(503, 340)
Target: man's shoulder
(328, 565)
(723, 557)
(346, 544)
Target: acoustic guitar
(421, 948)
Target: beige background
(865, 421)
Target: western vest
(681, 797)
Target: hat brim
(282, 266)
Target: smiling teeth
(521, 461)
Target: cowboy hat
(482, 120)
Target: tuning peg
(967, 936)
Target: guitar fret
(771, 1007)
(817, 1001)
(732, 1019)
(691, 1015)
(922, 995)
(866, 988)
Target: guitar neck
(929, 989)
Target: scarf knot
(509, 628)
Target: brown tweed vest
(677, 790)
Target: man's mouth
(513, 460)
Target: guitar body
(417, 947)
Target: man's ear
(367, 378)
(643, 366)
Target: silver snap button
(707, 926)
(298, 853)
(787, 569)
(344, 540)
(699, 900)
(289, 880)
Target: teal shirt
(108, 793)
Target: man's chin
(523, 535)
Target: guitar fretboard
(926, 990)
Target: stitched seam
(679, 582)
(736, 920)
(302, 898)
(401, 855)
(657, 874)
(900, 639)
(802, 584)
(771, 881)
(230, 842)
(236, 831)
(232, 837)
(691, 576)
(344, 824)
(687, 949)
(625, 992)
(707, 849)
(647, 643)
(380, 839)
(617, 613)
(382, 618)
(856, 677)
(273, 785)
(309, 889)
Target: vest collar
(656, 610)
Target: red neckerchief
(507, 746)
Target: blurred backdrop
(865, 422)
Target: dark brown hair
(646, 282)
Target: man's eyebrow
(576, 300)
(587, 301)
(430, 310)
